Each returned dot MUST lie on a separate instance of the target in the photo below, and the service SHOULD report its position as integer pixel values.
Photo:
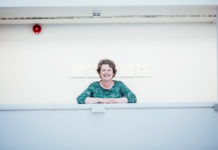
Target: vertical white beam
(217, 45)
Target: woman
(106, 91)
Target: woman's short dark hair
(110, 63)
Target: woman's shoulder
(94, 84)
(118, 82)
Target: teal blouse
(118, 90)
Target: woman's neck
(107, 84)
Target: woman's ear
(99, 75)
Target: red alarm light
(37, 28)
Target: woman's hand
(114, 100)
(107, 100)
(120, 100)
(91, 100)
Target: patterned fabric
(118, 90)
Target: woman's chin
(106, 79)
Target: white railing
(104, 107)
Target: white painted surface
(28, 3)
(125, 127)
(35, 69)
(107, 10)
(109, 14)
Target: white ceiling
(53, 3)
(107, 13)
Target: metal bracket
(98, 108)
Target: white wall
(35, 68)
(76, 127)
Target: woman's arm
(128, 93)
(120, 100)
(82, 97)
(92, 100)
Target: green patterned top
(118, 90)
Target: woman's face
(106, 72)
